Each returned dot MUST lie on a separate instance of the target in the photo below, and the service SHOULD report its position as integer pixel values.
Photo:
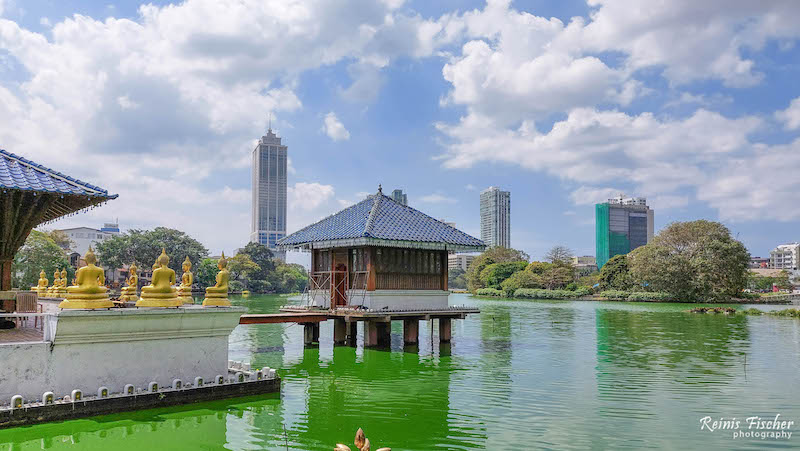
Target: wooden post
(372, 277)
(370, 334)
(411, 331)
(5, 275)
(339, 331)
(445, 270)
(444, 330)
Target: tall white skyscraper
(496, 217)
(269, 191)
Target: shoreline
(596, 298)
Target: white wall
(116, 347)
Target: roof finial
(380, 190)
(269, 115)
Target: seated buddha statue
(185, 289)
(160, 292)
(51, 292)
(128, 292)
(90, 291)
(217, 296)
(62, 286)
(41, 286)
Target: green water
(522, 375)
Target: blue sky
(563, 103)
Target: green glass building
(621, 225)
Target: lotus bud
(359, 440)
(366, 445)
(340, 447)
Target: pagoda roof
(380, 221)
(20, 174)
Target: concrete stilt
(310, 333)
(385, 334)
(410, 332)
(352, 333)
(370, 333)
(339, 331)
(444, 330)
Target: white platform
(86, 349)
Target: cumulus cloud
(790, 116)
(334, 128)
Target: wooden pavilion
(31, 195)
(379, 254)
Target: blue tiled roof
(381, 218)
(18, 173)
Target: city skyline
(432, 101)
(269, 184)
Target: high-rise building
(269, 191)
(400, 197)
(621, 225)
(496, 217)
(785, 256)
(460, 261)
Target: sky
(694, 105)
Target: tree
(559, 255)
(456, 278)
(492, 255)
(615, 275)
(144, 246)
(242, 268)
(697, 260)
(493, 275)
(39, 253)
(291, 277)
(60, 238)
(261, 256)
(557, 277)
(521, 279)
(205, 273)
(538, 267)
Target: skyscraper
(496, 217)
(400, 197)
(269, 191)
(621, 225)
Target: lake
(521, 375)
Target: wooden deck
(302, 315)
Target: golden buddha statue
(185, 289)
(51, 292)
(62, 286)
(217, 296)
(128, 292)
(160, 292)
(90, 292)
(41, 286)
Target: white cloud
(126, 103)
(586, 195)
(334, 128)
(437, 198)
(44, 21)
(790, 116)
(470, 187)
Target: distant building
(621, 225)
(585, 264)
(269, 192)
(759, 262)
(496, 217)
(400, 197)
(83, 237)
(459, 261)
(785, 256)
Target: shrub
(521, 279)
(651, 296)
(615, 295)
(533, 293)
(489, 292)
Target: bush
(651, 296)
(489, 292)
(533, 293)
(615, 295)
(521, 279)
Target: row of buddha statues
(88, 290)
(59, 288)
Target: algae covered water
(521, 375)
